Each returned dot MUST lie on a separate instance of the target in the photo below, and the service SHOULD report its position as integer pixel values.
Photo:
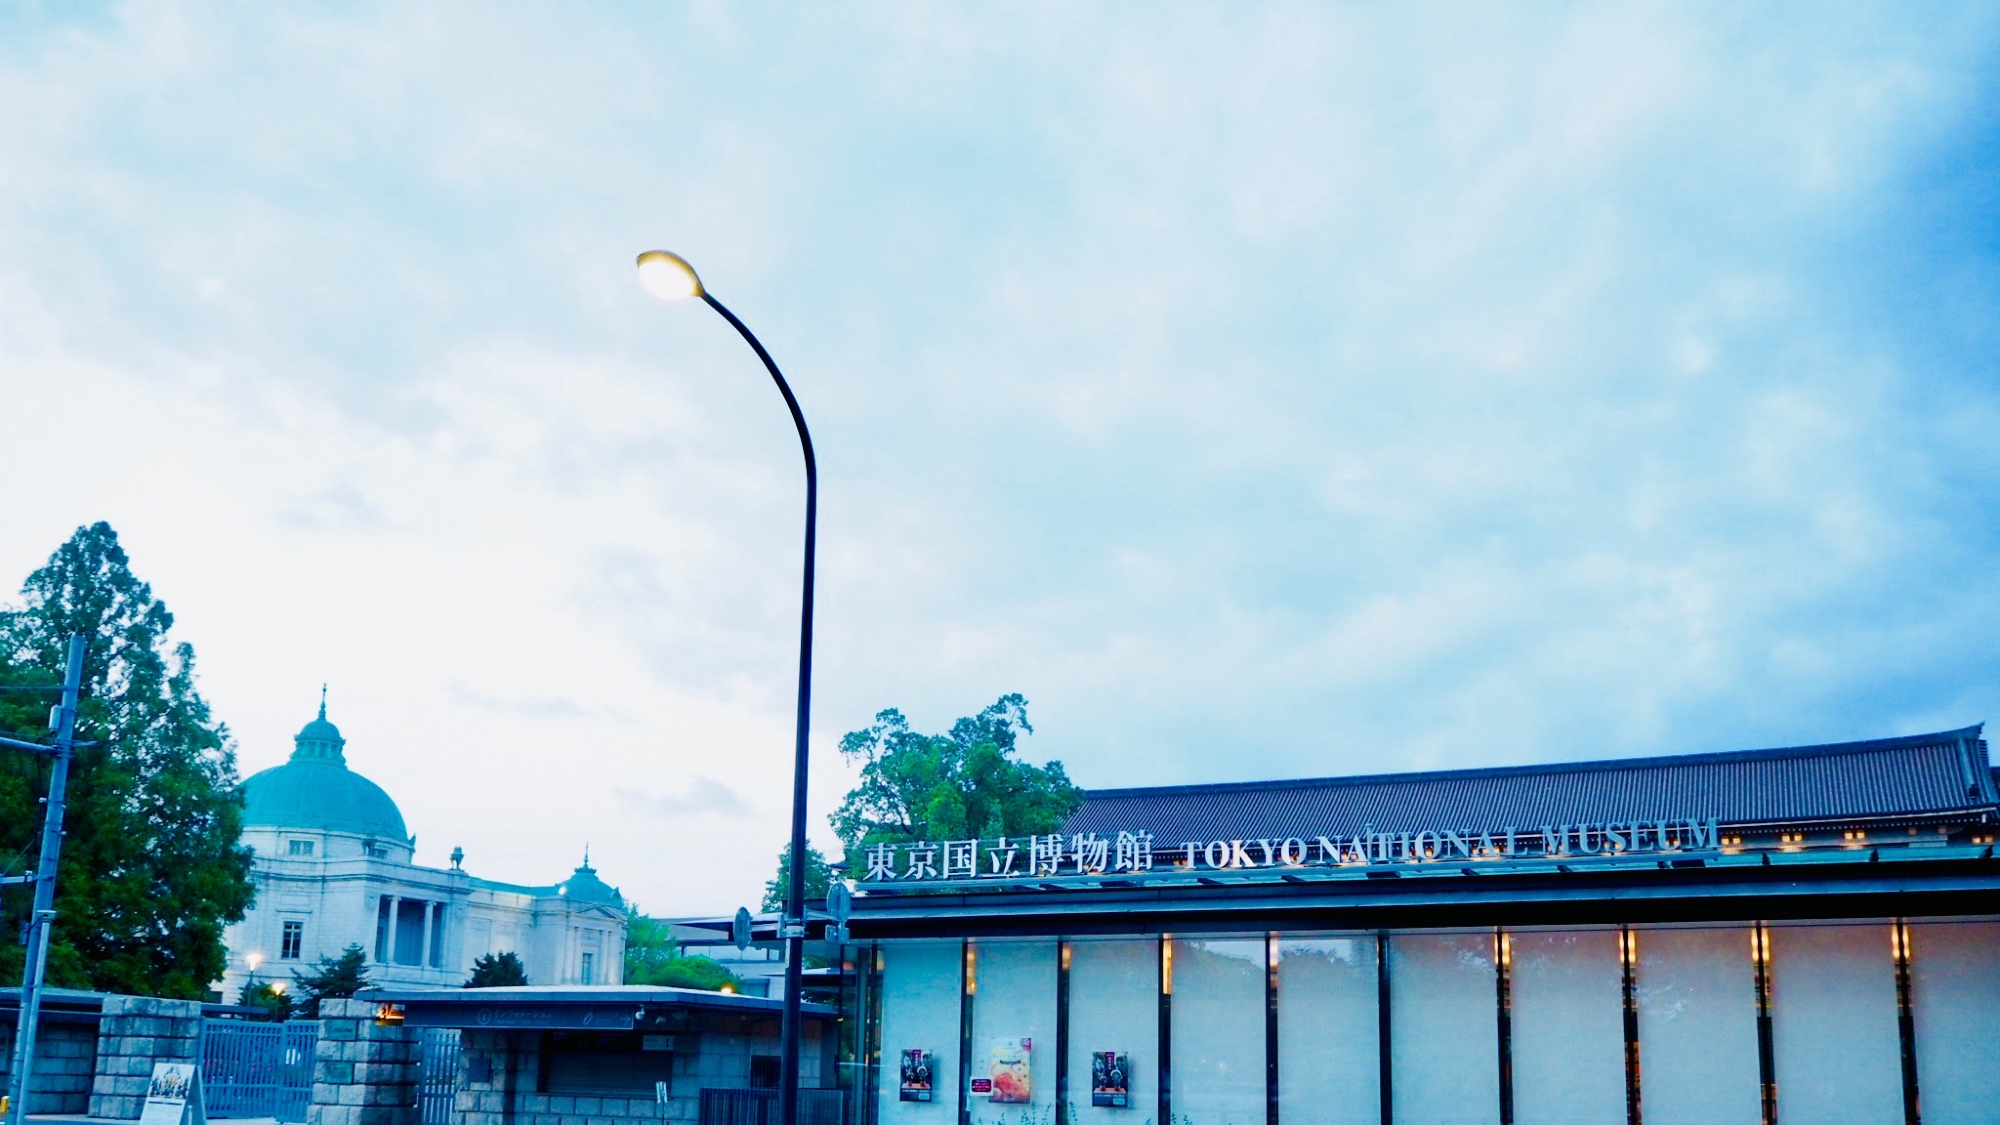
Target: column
(395, 924)
(424, 951)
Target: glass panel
(1218, 1031)
(1955, 998)
(1329, 1053)
(1013, 1032)
(1444, 1030)
(1697, 994)
(920, 992)
(1836, 1054)
(1114, 1008)
(1568, 1028)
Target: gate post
(134, 1033)
(364, 1073)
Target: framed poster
(1110, 1080)
(1006, 1076)
(916, 1076)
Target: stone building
(335, 866)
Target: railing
(738, 1106)
(258, 1069)
(437, 1082)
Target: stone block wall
(364, 1073)
(134, 1033)
(65, 1065)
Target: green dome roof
(316, 790)
(584, 886)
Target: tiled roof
(1891, 777)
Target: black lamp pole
(669, 276)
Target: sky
(1261, 390)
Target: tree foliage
(275, 1001)
(954, 786)
(335, 978)
(652, 956)
(152, 869)
(817, 875)
(501, 970)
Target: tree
(502, 970)
(959, 785)
(817, 875)
(336, 978)
(152, 868)
(652, 956)
(268, 996)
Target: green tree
(817, 875)
(263, 994)
(335, 978)
(152, 869)
(503, 970)
(959, 785)
(652, 956)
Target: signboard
(1007, 1076)
(1110, 1080)
(173, 1097)
(916, 1075)
(1138, 852)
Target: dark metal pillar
(44, 913)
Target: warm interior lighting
(668, 276)
(971, 969)
(1166, 966)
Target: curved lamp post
(669, 277)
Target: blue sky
(1262, 390)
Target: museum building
(335, 865)
(1807, 935)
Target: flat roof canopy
(536, 1007)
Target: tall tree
(152, 870)
(958, 785)
(817, 875)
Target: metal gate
(258, 1069)
(759, 1106)
(437, 1083)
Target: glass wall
(1955, 1001)
(1836, 1051)
(1114, 1009)
(1218, 1031)
(1013, 1075)
(1568, 1042)
(1444, 1031)
(920, 995)
(1697, 996)
(1329, 1051)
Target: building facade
(1804, 935)
(334, 866)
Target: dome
(316, 790)
(583, 885)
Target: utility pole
(64, 722)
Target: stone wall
(364, 1073)
(65, 1064)
(134, 1033)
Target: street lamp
(669, 277)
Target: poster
(916, 1075)
(1110, 1080)
(1005, 1076)
(174, 1096)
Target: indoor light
(668, 276)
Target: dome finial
(322, 702)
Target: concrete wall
(364, 1073)
(65, 1065)
(134, 1033)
